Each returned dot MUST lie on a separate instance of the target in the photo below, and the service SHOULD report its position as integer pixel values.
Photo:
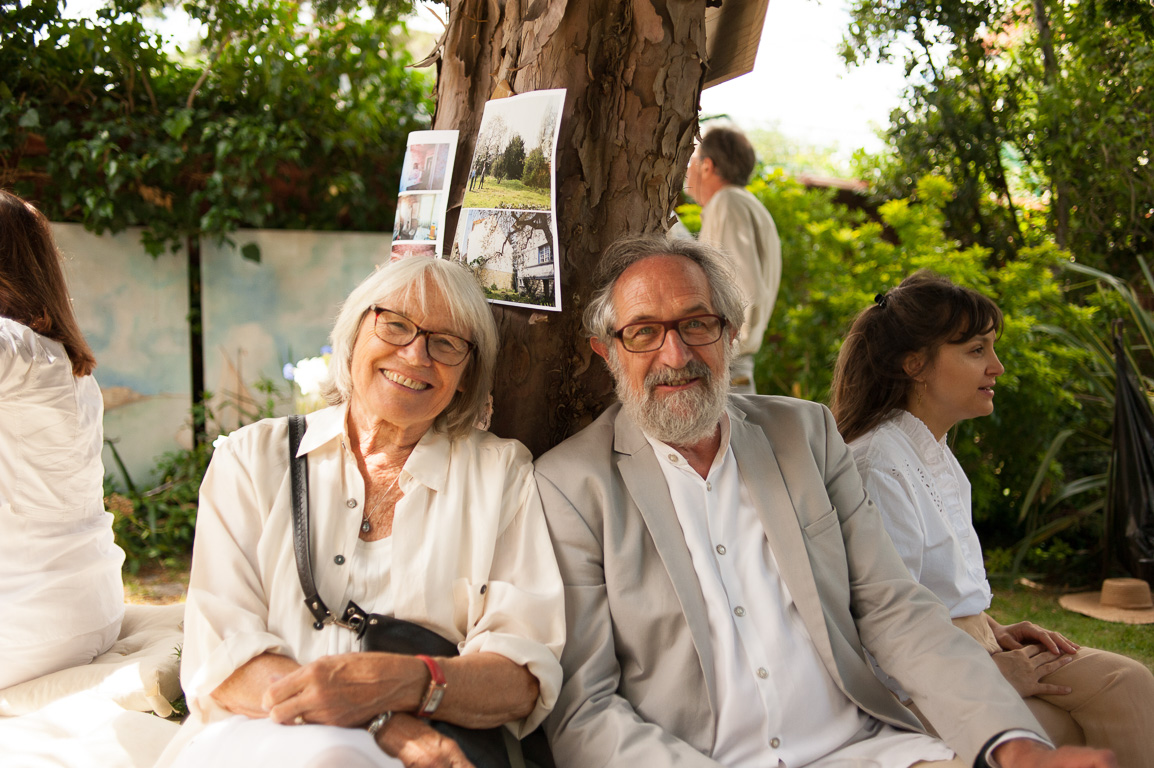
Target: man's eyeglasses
(695, 331)
(400, 331)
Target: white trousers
(242, 742)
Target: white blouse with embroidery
(924, 498)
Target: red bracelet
(436, 690)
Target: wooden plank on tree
(732, 33)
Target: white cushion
(84, 730)
(141, 672)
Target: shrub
(837, 259)
(537, 171)
(157, 525)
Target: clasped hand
(347, 689)
(1030, 653)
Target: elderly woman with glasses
(415, 513)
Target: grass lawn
(1019, 603)
(510, 193)
(157, 584)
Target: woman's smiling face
(403, 386)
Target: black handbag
(486, 747)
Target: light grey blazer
(638, 665)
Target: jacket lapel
(646, 485)
(761, 473)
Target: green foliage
(690, 216)
(282, 121)
(537, 172)
(836, 260)
(511, 164)
(158, 525)
(530, 296)
(1033, 110)
(1069, 487)
(775, 149)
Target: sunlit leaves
(281, 119)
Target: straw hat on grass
(1123, 600)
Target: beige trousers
(1111, 704)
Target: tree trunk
(632, 70)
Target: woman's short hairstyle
(33, 291)
(924, 312)
(413, 279)
(732, 154)
(600, 316)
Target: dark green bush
(536, 174)
(156, 526)
(837, 259)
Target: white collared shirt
(59, 564)
(924, 498)
(776, 702)
(471, 557)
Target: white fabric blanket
(93, 716)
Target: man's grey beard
(679, 418)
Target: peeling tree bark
(632, 70)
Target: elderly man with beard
(725, 572)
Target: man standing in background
(736, 222)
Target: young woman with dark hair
(914, 364)
(61, 597)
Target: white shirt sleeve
(226, 621)
(519, 617)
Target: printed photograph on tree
(512, 255)
(425, 175)
(513, 159)
(507, 230)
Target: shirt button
(673, 457)
(351, 503)
(739, 611)
(339, 559)
(775, 742)
(762, 672)
(709, 486)
(721, 549)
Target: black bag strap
(299, 469)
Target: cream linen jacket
(638, 661)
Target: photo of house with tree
(512, 254)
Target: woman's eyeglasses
(400, 331)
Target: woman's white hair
(411, 280)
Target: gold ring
(299, 720)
